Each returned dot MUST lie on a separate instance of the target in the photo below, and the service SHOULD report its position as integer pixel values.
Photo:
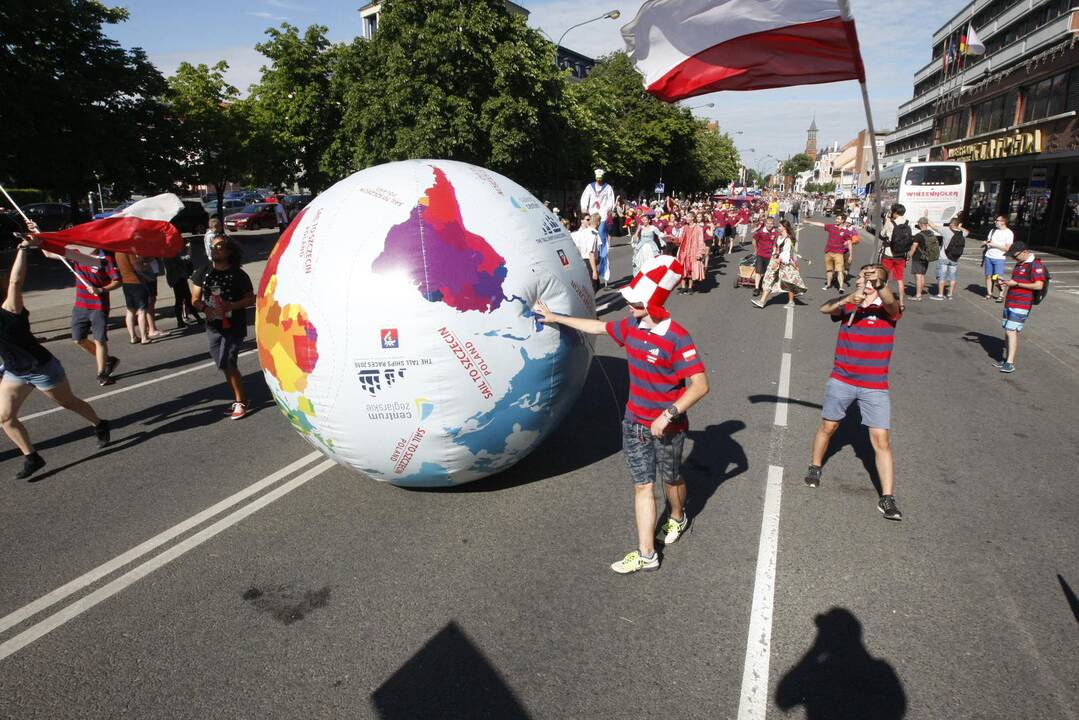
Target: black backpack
(901, 240)
(1039, 295)
(956, 246)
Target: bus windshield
(933, 175)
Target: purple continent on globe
(447, 262)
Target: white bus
(934, 189)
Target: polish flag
(143, 229)
(692, 47)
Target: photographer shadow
(852, 433)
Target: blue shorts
(45, 377)
(1014, 319)
(946, 269)
(650, 457)
(993, 266)
(875, 405)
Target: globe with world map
(395, 325)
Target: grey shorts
(652, 458)
(225, 348)
(874, 405)
(89, 323)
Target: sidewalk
(1052, 324)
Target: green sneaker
(673, 529)
(634, 561)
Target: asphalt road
(136, 584)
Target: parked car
(193, 219)
(230, 205)
(11, 226)
(252, 217)
(112, 211)
(296, 203)
(55, 216)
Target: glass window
(933, 175)
(983, 205)
(1058, 95)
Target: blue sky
(895, 39)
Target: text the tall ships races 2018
(471, 360)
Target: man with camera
(863, 352)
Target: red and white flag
(143, 229)
(691, 47)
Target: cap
(599, 172)
(658, 278)
(1017, 247)
(923, 221)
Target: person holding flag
(28, 365)
(598, 197)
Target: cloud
(285, 5)
(265, 15)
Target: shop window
(983, 205)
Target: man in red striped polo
(863, 352)
(1028, 277)
(666, 378)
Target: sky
(895, 39)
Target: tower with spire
(811, 139)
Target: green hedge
(25, 196)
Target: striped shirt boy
(660, 359)
(863, 350)
(1022, 299)
(101, 275)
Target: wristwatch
(672, 412)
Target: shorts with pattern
(1014, 319)
(651, 458)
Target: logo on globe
(551, 226)
(389, 338)
(373, 380)
(563, 259)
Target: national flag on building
(972, 44)
(142, 228)
(691, 47)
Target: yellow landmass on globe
(287, 341)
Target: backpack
(1039, 295)
(901, 239)
(956, 246)
(931, 246)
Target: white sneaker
(634, 562)
(673, 529)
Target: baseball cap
(923, 221)
(1017, 247)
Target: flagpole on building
(18, 209)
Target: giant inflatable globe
(395, 324)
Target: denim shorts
(993, 266)
(1014, 319)
(946, 269)
(45, 377)
(650, 458)
(875, 405)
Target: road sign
(660, 188)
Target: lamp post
(612, 15)
(697, 107)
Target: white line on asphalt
(784, 391)
(129, 388)
(153, 543)
(753, 703)
(140, 571)
(788, 331)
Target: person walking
(764, 240)
(693, 254)
(281, 214)
(646, 242)
(587, 241)
(151, 268)
(1023, 288)
(783, 268)
(599, 197)
(223, 291)
(666, 379)
(212, 231)
(95, 277)
(836, 248)
(926, 250)
(136, 297)
(867, 320)
(28, 365)
(177, 272)
(897, 249)
(996, 246)
(954, 243)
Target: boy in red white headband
(666, 378)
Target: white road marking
(784, 391)
(753, 703)
(136, 386)
(788, 331)
(153, 543)
(140, 571)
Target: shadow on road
(837, 678)
(716, 457)
(1069, 594)
(776, 398)
(448, 678)
(851, 432)
(992, 344)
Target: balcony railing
(918, 127)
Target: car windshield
(252, 209)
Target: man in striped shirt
(1028, 277)
(863, 352)
(666, 378)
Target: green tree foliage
(219, 140)
(296, 104)
(796, 165)
(75, 107)
(459, 80)
(715, 157)
(826, 188)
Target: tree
(796, 165)
(76, 107)
(715, 157)
(295, 104)
(754, 178)
(218, 138)
(464, 81)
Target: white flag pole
(18, 209)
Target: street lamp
(697, 107)
(612, 15)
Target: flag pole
(18, 209)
